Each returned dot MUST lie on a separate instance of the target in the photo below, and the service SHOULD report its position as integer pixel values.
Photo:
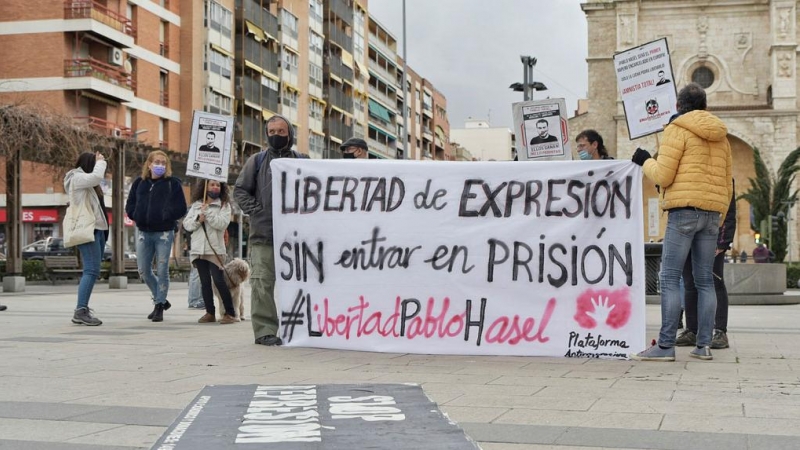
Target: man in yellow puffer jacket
(693, 169)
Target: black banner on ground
(305, 417)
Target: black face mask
(348, 155)
(278, 142)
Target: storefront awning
(222, 50)
(257, 33)
(347, 58)
(379, 111)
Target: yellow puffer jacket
(693, 166)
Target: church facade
(743, 52)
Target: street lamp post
(403, 87)
(528, 85)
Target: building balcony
(383, 149)
(91, 74)
(336, 128)
(427, 110)
(340, 99)
(382, 47)
(104, 127)
(337, 67)
(427, 134)
(101, 20)
(385, 99)
(340, 38)
(387, 76)
(340, 9)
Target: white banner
(483, 258)
(646, 87)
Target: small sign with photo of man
(542, 130)
(644, 80)
(210, 146)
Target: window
(219, 104)
(358, 104)
(315, 110)
(289, 23)
(315, 43)
(703, 76)
(290, 61)
(316, 145)
(315, 75)
(220, 64)
(269, 83)
(358, 45)
(290, 98)
(315, 10)
(221, 18)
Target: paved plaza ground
(119, 386)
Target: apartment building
(383, 87)
(484, 142)
(112, 65)
(137, 69)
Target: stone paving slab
(116, 387)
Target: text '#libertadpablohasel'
(569, 198)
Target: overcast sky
(470, 50)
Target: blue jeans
(694, 230)
(91, 255)
(195, 290)
(155, 244)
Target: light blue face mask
(584, 155)
(158, 170)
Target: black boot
(158, 313)
(166, 307)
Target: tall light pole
(528, 85)
(405, 92)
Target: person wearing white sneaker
(694, 171)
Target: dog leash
(224, 272)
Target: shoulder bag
(78, 225)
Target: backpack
(263, 154)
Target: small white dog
(237, 271)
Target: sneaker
(269, 340)
(84, 316)
(686, 338)
(197, 306)
(655, 353)
(720, 340)
(227, 319)
(167, 306)
(207, 318)
(703, 353)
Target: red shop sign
(128, 222)
(34, 215)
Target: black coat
(156, 205)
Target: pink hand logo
(610, 307)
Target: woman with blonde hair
(156, 202)
(82, 184)
(207, 220)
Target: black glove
(640, 156)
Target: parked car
(46, 247)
